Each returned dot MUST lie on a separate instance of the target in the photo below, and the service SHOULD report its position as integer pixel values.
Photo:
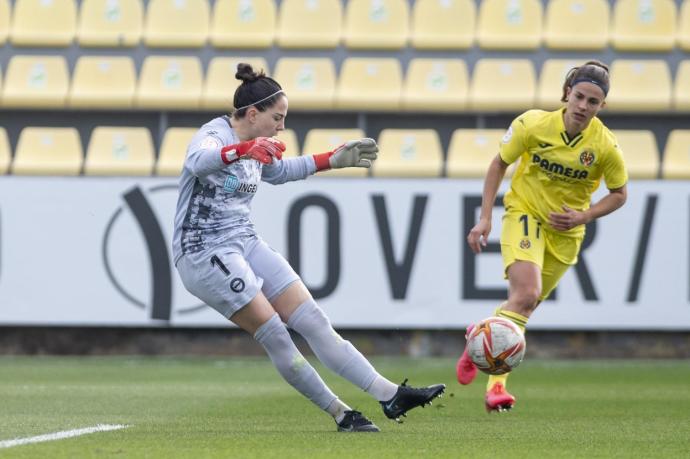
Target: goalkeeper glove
(354, 153)
(262, 149)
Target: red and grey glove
(262, 149)
(354, 153)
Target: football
(496, 345)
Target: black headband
(604, 87)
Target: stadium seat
(502, 85)
(310, 23)
(5, 14)
(577, 24)
(169, 82)
(308, 82)
(173, 150)
(103, 82)
(177, 23)
(220, 83)
(551, 79)
(681, 89)
(648, 25)
(684, 26)
(509, 24)
(110, 23)
(323, 140)
(48, 151)
(639, 85)
(43, 22)
(438, 85)
(443, 24)
(289, 138)
(369, 84)
(471, 150)
(376, 24)
(5, 155)
(676, 163)
(36, 82)
(408, 153)
(243, 24)
(119, 151)
(640, 152)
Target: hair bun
(245, 72)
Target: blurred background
(98, 99)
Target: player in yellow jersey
(563, 156)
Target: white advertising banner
(375, 253)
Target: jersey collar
(571, 142)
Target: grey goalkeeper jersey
(215, 198)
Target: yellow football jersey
(556, 170)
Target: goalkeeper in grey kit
(225, 263)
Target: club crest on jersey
(587, 158)
(525, 244)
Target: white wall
(73, 253)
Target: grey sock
(332, 350)
(293, 367)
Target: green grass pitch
(239, 407)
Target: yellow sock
(493, 379)
(516, 318)
(521, 322)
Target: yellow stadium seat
(170, 82)
(376, 24)
(369, 84)
(640, 152)
(43, 22)
(676, 163)
(110, 22)
(289, 138)
(48, 151)
(243, 24)
(119, 151)
(644, 25)
(308, 82)
(220, 83)
(5, 14)
(639, 85)
(409, 153)
(310, 23)
(471, 150)
(509, 24)
(173, 151)
(324, 140)
(5, 154)
(177, 23)
(103, 82)
(503, 85)
(436, 85)
(681, 88)
(577, 24)
(551, 79)
(36, 82)
(684, 26)
(443, 24)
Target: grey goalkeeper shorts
(228, 276)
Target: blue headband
(603, 87)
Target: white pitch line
(60, 435)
